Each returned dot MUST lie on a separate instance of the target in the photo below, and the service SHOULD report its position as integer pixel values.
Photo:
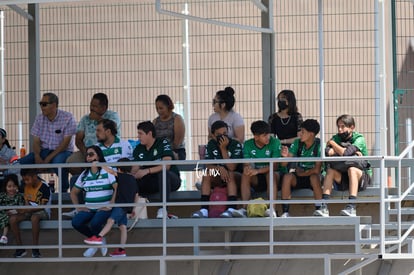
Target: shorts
(344, 184)
(261, 183)
(302, 183)
(119, 216)
(42, 213)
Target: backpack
(218, 194)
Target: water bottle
(22, 151)
(52, 183)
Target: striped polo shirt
(98, 187)
(119, 149)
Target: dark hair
(124, 169)
(311, 125)
(291, 99)
(101, 158)
(260, 127)
(147, 126)
(348, 120)
(217, 125)
(227, 96)
(10, 177)
(109, 124)
(3, 133)
(29, 172)
(102, 98)
(53, 98)
(166, 100)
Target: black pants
(152, 183)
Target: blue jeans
(90, 223)
(59, 158)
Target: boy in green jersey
(257, 175)
(306, 174)
(220, 146)
(347, 142)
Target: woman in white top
(223, 104)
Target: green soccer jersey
(357, 140)
(234, 148)
(298, 149)
(161, 148)
(270, 150)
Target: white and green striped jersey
(98, 187)
(119, 149)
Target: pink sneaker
(94, 240)
(119, 252)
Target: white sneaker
(285, 215)
(323, 211)
(70, 214)
(202, 213)
(3, 240)
(104, 249)
(270, 213)
(239, 213)
(160, 213)
(90, 252)
(228, 213)
(349, 211)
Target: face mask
(343, 136)
(282, 105)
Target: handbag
(140, 210)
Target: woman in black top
(285, 124)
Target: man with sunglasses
(52, 132)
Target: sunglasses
(44, 104)
(90, 154)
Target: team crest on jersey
(155, 152)
(141, 156)
(267, 153)
(116, 151)
(253, 152)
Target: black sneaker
(20, 253)
(36, 253)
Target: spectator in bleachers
(52, 132)
(285, 124)
(347, 142)
(220, 147)
(36, 193)
(7, 154)
(223, 104)
(257, 175)
(99, 187)
(170, 125)
(86, 129)
(149, 176)
(305, 174)
(113, 147)
(9, 196)
(127, 192)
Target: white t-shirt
(233, 120)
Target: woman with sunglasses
(99, 188)
(223, 104)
